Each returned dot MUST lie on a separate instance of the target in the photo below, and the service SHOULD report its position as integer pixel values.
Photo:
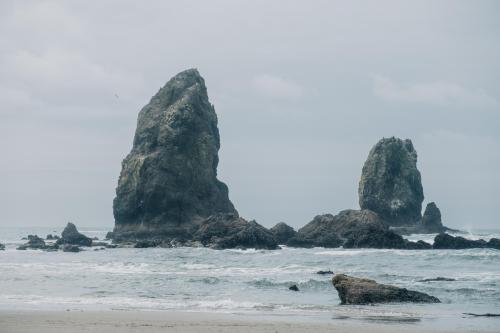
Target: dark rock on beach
(354, 290)
(282, 232)
(225, 231)
(391, 184)
(70, 235)
(446, 241)
(168, 184)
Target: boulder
(354, 290)
(293, 288)
(282, 232)
(168, 183)
(70, 235)
(446, 241)
(390, 182)
(225, 231)
(328, 272)
(2, 247)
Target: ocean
(251, 282)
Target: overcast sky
(302, 89)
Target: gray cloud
(293, 84)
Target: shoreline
(42, 321)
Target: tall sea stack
(168, 183)
(390, 182)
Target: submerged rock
(391, 184)
(70, 235)
(293, 288)
(168, 183)
(437, 279)
(446, 241)
(282, 232)
(225, 231)
(70, 248)
(354, 290)
(325, 272)
(2, 247)
(51, 237)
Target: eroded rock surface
(225, 231)
(391, 184)
(168, 184)
(354, 290)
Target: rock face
(390, 182)
(225, 231)
(282, 232)
(70, 235)
(351, 229)
(445, 241)
(431, 221)
(168, 184)
(364, 291)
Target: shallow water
(252, 281)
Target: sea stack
(168, 183)
(390, 183)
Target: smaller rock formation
(390, 182)
(293, 288)
(446, 241)
(437, 279)
(431, 221)
(70, 235)
(328, 272)
(70, 248)
(2, 247)
(282, 232)
(226, 231)
(52, 237)
(364, 291)
(37, 243)
(351, 229)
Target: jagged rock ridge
(168, 184)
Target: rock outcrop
(431, 221)
(390, 182)
(70, 235)
(225, 231)
(354, 290)
(282, 232)
(351, 229)
(168, 184)
(2, 247)
(37, 243)
(446, 241)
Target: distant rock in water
(437, 279)
(431, 221)
(226, 231)
(351, 229)
(52, 237)
(70, 248)
(324, 272)
(390, 182)
(2, 247)
(37, 243)
(168, 184)
(282, 232)
(354, 290)
(293, 288)
(70, 235)
(446, 241)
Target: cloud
(277, 87)
(434, 93)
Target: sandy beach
(166, 321)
